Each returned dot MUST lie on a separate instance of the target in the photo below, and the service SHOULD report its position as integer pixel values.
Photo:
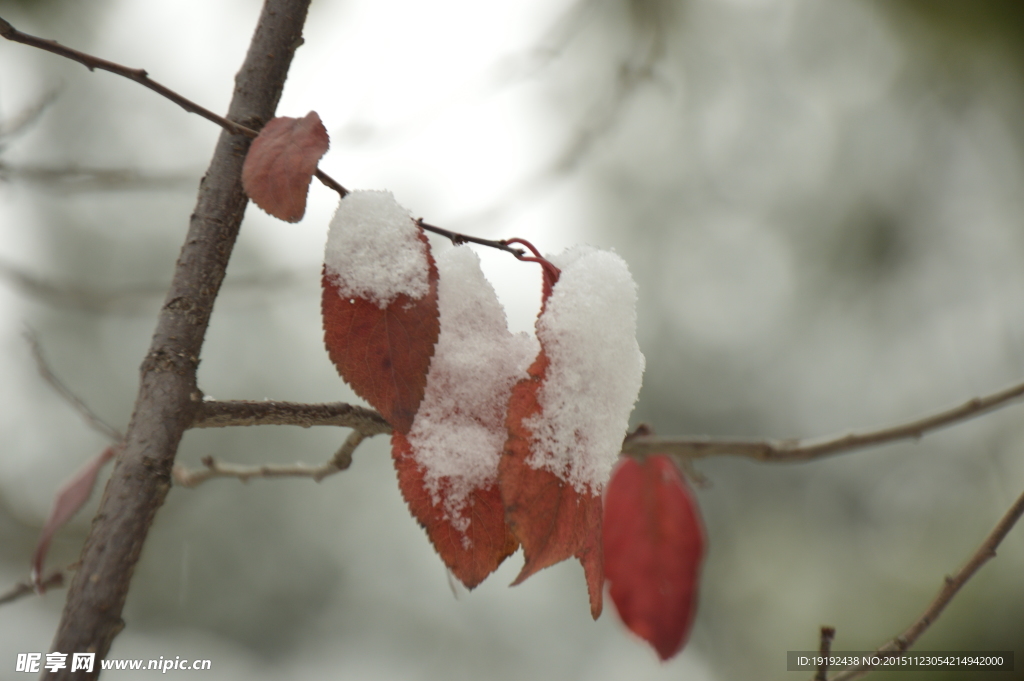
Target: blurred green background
(821, 203)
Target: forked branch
(341, 460)
(214, 414)
(950, 587)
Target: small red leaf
(69, 499)
(653, 547)
(551, 519)
(384, 353)
(281, 163)
(471, 552)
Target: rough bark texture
(168, 398)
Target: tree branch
(168, 398)
(824, 650)
(27, 588)
(774, 451)
(215, 414)
(140, 76)
(950, 588)
(94, 421)
(341, 460)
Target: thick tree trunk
(168, 397)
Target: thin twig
(331, 183)
(950, 587)
(140, 76)
(27, 588)
(17, 125)
(773, 451)
(217, 414)
(94, 421)
(341, 460)
(824, 650)
(459, 239)
(85, 179)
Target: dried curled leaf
(281, 163)
(653, 548)
(69, 500)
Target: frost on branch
(379, 304)
(448, 464)
(567, 420)
(653, 548)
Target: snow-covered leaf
(551, 518)
(379, 304)
(567, 420)
(472, 544)
(448, 465)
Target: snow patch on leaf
(459, 431)
(374, 250)
(588, 332)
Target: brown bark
(168, 398)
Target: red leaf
(653, 547)
(69, 499)
(551, 519)
(281, 163)
(473, 553)
(384, 353)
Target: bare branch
(168, 398)
(824, 650)
(459, 239)
(127, 299)
(94, 421)
(215, 414)
(341, 460)
(17, 125)
(74, 178)
(27, 588)
(774, 451)
(140, 76)
(950, 587)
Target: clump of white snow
(588, 331)
(374, 250)
(459, 431)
